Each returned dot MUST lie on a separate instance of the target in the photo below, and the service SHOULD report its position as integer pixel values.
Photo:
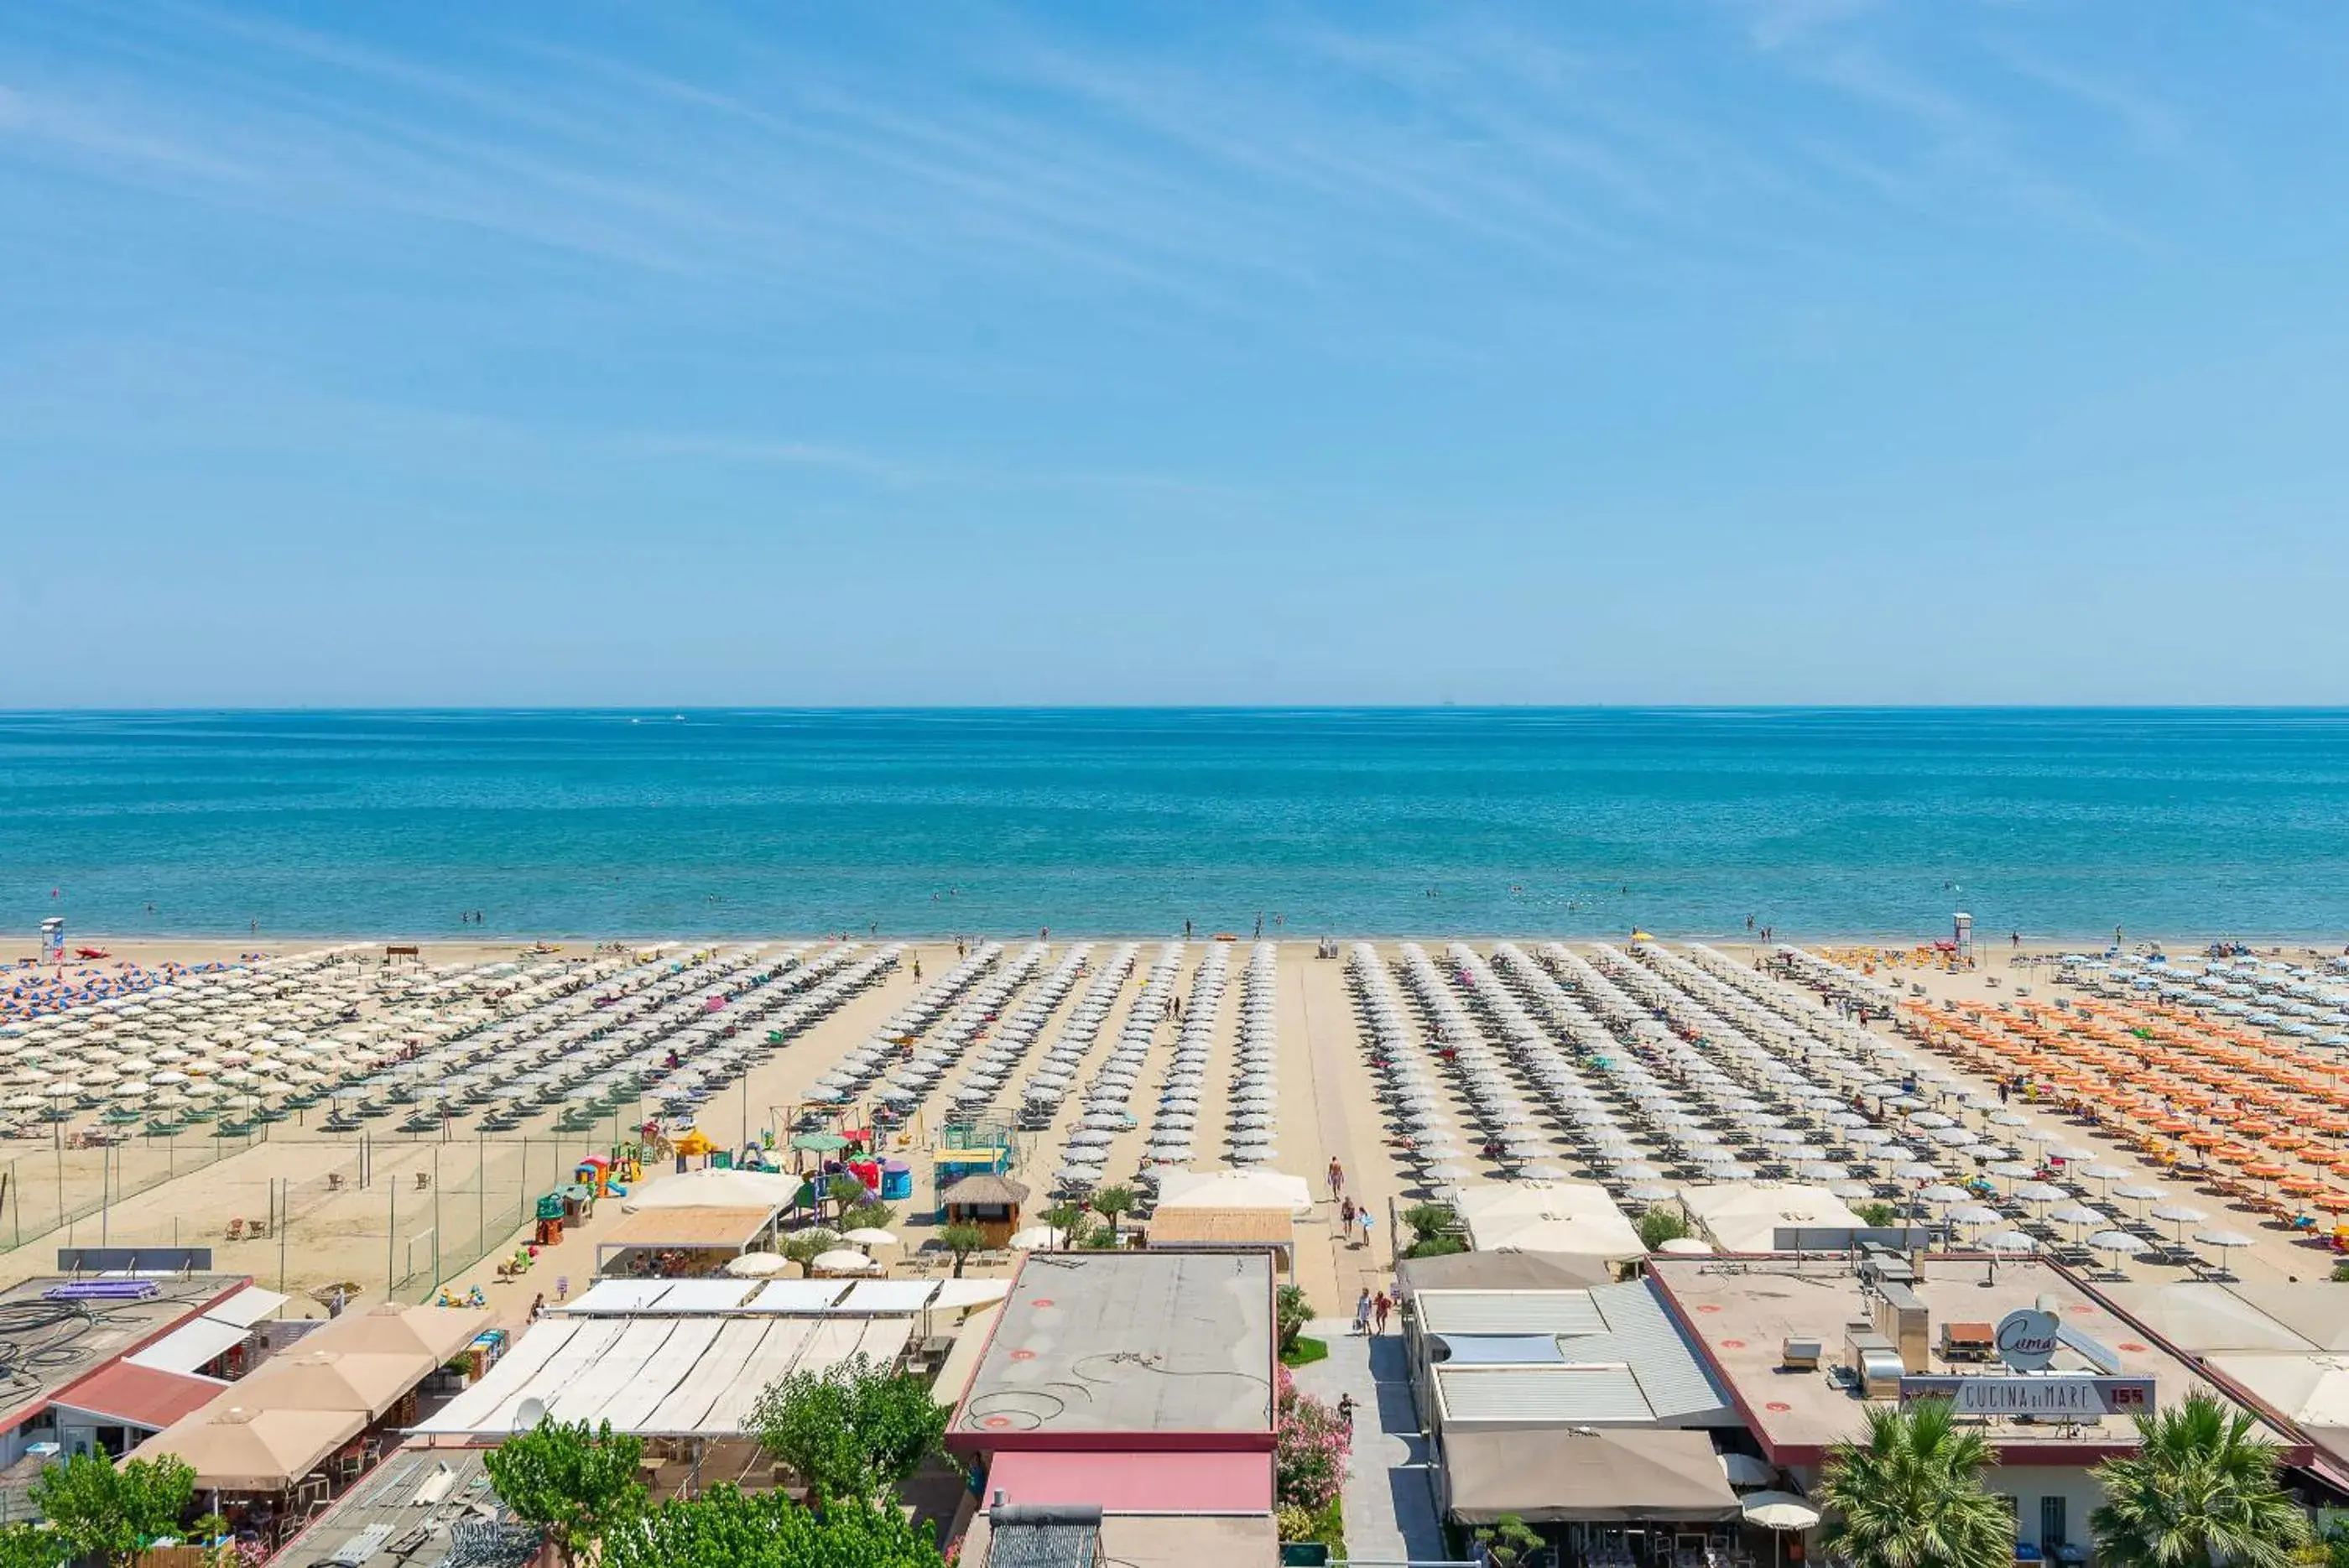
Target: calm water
(1345, 823)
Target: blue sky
(1792, 350)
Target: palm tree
(1909, 1494)
(2199, 1491)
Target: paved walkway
(1390, 1495)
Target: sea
(1821, 824)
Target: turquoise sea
(1100, 822)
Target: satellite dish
(529, 1414)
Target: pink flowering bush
(1310, 1445)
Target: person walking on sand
(1362, 1312)
(1381, 1306)
(1346, 1218)
(1336, 1179)
(1362, 1218)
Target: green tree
(1909, 1494)
(1510, 1540)
(872, 1216)
(804, 1250)
(575, 1483)
(1432, 1227)
(851, 1431)
(962, 1241)
(1071, 1221)
(2199, 1491)
(1658, 1226)
(845, 1190)
(1880, 1215)
(2333, 1549)
(32, 1546)
(1109, 1203)
(1291, 1312)
(110, 1510)
(724, 1529)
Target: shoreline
(1984, 947)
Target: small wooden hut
(990, 1202)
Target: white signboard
(2060, 1395)
(2027, 1338)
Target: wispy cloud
(769, 452)
(1773, 24)
(2154, 126)
(101, 140)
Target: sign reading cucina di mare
(2056, 1396)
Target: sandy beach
(385, 1209)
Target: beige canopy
(388, 1328)
(238, 1449)
(370, 1383)
(1618, 1476)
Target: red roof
(1131, 1481)
(138, 1395)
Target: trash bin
(1304, 1553)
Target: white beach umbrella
(757, 1265)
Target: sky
(1673, 351)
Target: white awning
(190, 1345)
(247, 1307)
(619, 1295)
(797, 1295)
(888, 1296)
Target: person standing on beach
(1362, 1312)
(1346, 1217)
(1380, 1304)
(1187, 931)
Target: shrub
(1310, 1449)
(1658, 1226)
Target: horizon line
(1246, 707)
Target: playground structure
(970, 1148)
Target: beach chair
(257, 1229)
(235, 1230)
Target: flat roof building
(106, 1362)
(2049, 1371)
(1576, 1406)
(1121, 1409)
(1103, 1350)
